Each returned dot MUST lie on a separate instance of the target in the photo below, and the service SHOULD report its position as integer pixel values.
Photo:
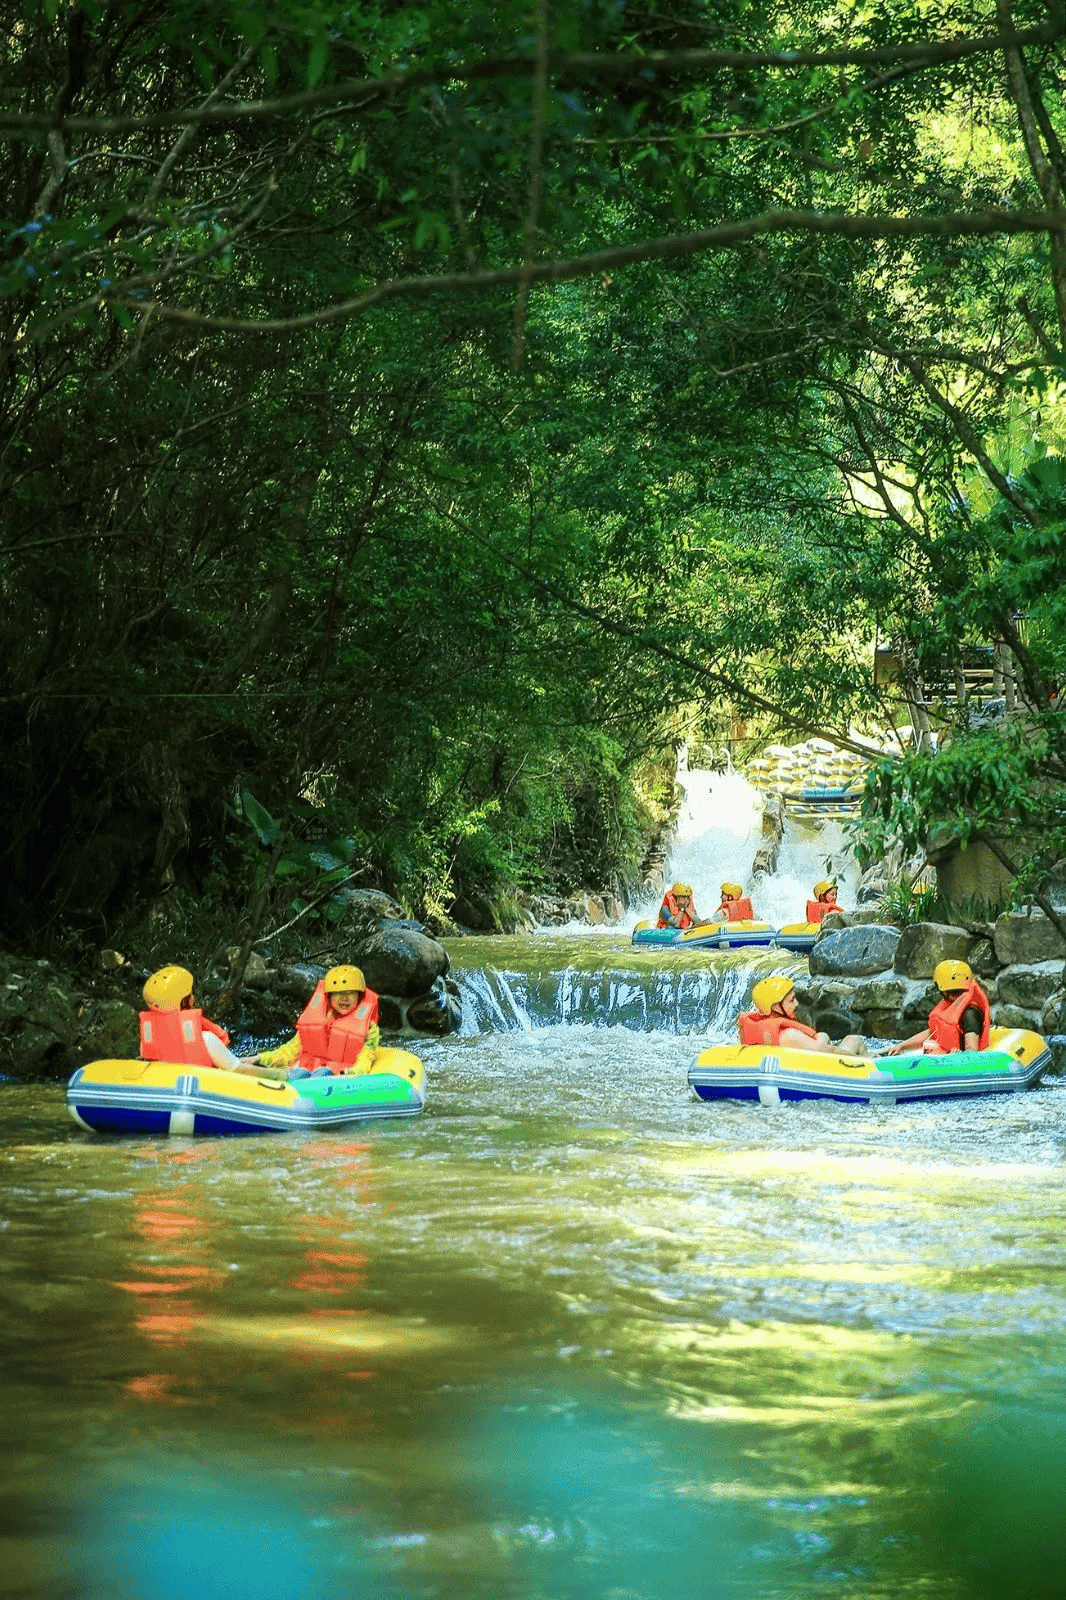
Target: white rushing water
(719, 831)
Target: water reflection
(573, 1335)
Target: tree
(409, 407)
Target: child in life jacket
(338, 1022)
(774, 1023)
(678, 909)
(174, 1029)
(959, 1021)
(735, 906)
(825, 900)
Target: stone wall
(877, 980)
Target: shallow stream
(571, 1335)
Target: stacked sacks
(814, 764)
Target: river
(571, 1335)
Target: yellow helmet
(343, 980)
(770, 992)
(735, 889)
(823, 887)
(167, 988)
(949, 975)
(682, 888)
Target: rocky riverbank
(53, 1021)
(872, 978)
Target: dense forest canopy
(413, 416)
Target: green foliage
(430, 579)
(905, 903)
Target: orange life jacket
(178, 1036)
(758, 1028)
(670, 908)
(737, 910)
(817, 909)
(945, 1020)
(330, 1041)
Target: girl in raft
(961, 1019)
(735, 906)
(825, 900)
(678, 909)
(774, 1023)
(173, 1028)
(338, 1022)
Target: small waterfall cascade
(717, 835)
(700, 1000)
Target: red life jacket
(758, 1028)
(178, 1036)
(817, 909)
(737, 910)
(671, 908)
(945, 1020)
(330, 1041)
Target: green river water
(571, 1335)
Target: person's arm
(915, 1042)
(793, 1039)
(971, 1028)
(285, 1055)
(221, 1054)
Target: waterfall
(703, 1000)
(718, 831)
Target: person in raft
(678, 909)
(774, 1023)
(735, 906)
(337, 1023)
(173, 1028)
(825, 901)
(959, 1021)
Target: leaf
(259, 817)
(316, 62)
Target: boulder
(856, 952)
(1004, 1016)
(110, 1031)
(879, 994)
(1023, 938)
(402, 961)
(437, 1011)
(473, 914)
(364, 912)
(53, 1009)
(296, 980)
(1025, 986)
(863, 915)
(920, 1000)
(924, 944)
(1053, 1012)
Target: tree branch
(672, 247)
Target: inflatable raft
(1015, 1059)
(798, 936)
(159, 1097)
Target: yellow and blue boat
(798, 936)
(1016, 1059)
(160, 1097)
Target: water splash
(701, 1001)
(719, 831)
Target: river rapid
(571, 1335)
